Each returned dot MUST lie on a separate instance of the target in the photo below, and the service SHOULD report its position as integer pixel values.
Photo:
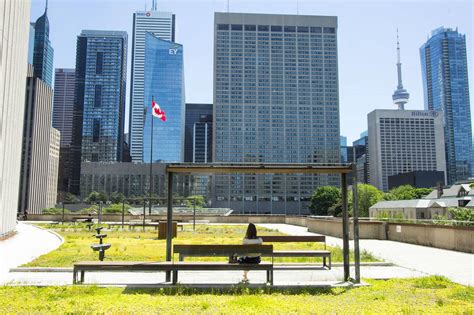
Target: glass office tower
(446, 89)
(43, 52)
(276, 100)
(162, 25)
(99, 101)
(198, 133)
(164, 82)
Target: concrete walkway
(457, 266)
(28, 243)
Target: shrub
(54, 211)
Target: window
(96, 130)
(315, 30)
(303, 29)
(276, 28)
(329, 30)
(250, 28)
(98, 96)
(222, 27)
(263, 28)
(290, 29)
(236, 27)
(99, 63)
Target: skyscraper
(276, 99)
(402, 141)
(63, 109)
(15, 17)
(161, 24)
(164, 82)
(43, 51)
(63, 103)
(98, 121)
(198, 133)
(446, 89)
(38, 171)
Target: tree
(368, 195)
(404, 192)
(117, 197)
(67, 197)
(462, 214)
(422, 192)
(324, 199)
(200, 201)
(95, 197)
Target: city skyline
(373, 55)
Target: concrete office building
(276, 100)
(43, 52)
(446, 88)
(53, 166)
(14, 33)
(131, 179)
(161, 25)
(98, 121)
(403, 141)
(35, 164)
(198, 133)
(63, 109)
(164, 82)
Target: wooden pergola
(271, 168)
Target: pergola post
(345, 227)
(355, 215)
(169, 223)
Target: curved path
(456, 266)
(28, 243)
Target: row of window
(275, 28)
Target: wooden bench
(300, 253)
(132, 225)
(116, 266)
(204, 250)
(226, 250)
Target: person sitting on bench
(251, 238)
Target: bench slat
(293, 238)
(224, 250)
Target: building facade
(276, 99)
(53, 167)
(164, 82)
(63, 103)
(361, 156)
(99, 99)
(162, 25)
(43, 53)
(418, 179)
(403, 141)
(198, 133)
(446, 88)
(14, 33)
(133, 180)
(35, 173)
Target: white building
(161, 24)
(14, 34)
(53, 167)
(402, 141)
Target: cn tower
(400, 96)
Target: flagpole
(151, 156)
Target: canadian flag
(157, 112)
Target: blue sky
(366, 41)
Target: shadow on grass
(237, 289)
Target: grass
(432, 295)
(144, 246)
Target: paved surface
(29, 243)
(457, 266)
(410, 260)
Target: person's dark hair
(251, 232)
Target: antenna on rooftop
(153, 5)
